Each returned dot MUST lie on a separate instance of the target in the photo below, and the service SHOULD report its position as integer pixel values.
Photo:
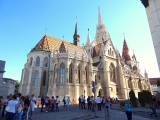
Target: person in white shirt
(32, 103)
(98, 101)
(5, 104)
(46, 103)
(12, 107)
(57, 102)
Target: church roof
(125, 51)
(49, 42)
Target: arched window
(37, 61)
(108, 52)
(95, 80)
(45, 62)
(62, 73)
(31, 60)
(79, 74)
(139, 84)
(36, 78)
(112, 73)
(112, 53)
(44, 78)
(70, 73)
(86, 75)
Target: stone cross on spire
(99, 17)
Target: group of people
(51, 104)
(16, 107)
(98, 101)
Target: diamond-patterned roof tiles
(47, 42)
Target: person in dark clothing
(26, 107)
(79, 102)
(64, 102)
(153, 110)
(42, 102)
(89, 103)
(4, 105)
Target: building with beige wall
(57, 67)
(153, 14)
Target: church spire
(88, 38)
(99, 17)
(76, 36)
(125, 51)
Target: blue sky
(23, 24)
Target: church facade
(57, 67)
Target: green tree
(17, 87)
(132, 97)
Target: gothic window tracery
(129, 83)
(70, 73)
(45, 62)
(112, 73)
(31, 60)
(139, 84)
(36, 78)
(62, 73)
(37, 61)
(79, 72)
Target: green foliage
(17, 85)
(158, 82)
(132, 97)
(144, 97)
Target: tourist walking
(1, 104)
(5, 104)
(79, 100)
(57, 102)
(20, 108)
(46, 104)
(128, 107)
(98, 101)
(68, 101)
(153, 108)
(12, 108)
(93, 103)
(52, 101)
(107, 105)
(89, 102)
(32, 103)
(27, 107)
(42, 103)
(64, 102)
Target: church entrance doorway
(100, 93)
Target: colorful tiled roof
(47, 42)
(96, 49)
(125, 51)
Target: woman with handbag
(11, 108)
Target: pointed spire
(76, 36)
(99, 17)
(88, 38)
(125, 50)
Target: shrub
(158, 82)
(144, 97)
(132, 97)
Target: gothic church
(57, 67)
